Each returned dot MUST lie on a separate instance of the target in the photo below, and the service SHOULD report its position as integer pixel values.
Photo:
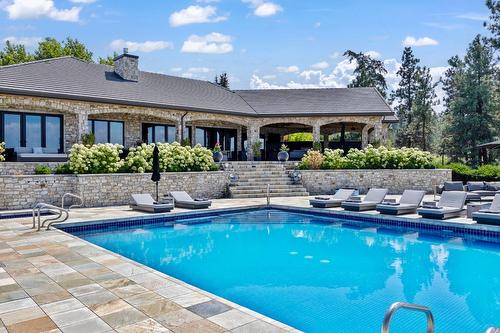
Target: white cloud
(215, 43)
(26, 41)
(176, 69)
(422, 41)
(195, 14)
(373, 54)
(269, 77)
(33, 9)
(289, 69)
(200, 70)
(147, 46)
(264, 8)
(474, 16)
(308, 75)
(320, 65)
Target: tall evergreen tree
(494, 24)
(14, 54)
(404, 96)
(368, 72)
(222, 80)
(423, 122)
(472, 101)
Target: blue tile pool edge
(481, 232)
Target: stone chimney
(127, 66)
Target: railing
(72, 196)
(413, 307)
(37, 213)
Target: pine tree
(368, 72)
(494, 24)
(423, 115)
(472, 101)
(14, 54)
(404, 96)
(222, 80)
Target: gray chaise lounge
(146, 203)
(184, 200)
(451, 204)
(334, 201)
(408, 204)
(490, 215)
(370, 202)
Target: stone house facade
(67, 97)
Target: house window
(25, 131)
(152, 133)
(107, 131)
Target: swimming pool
(320, 274)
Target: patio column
(178, 132)
(377, 133)
(82, 126)
(193, 135)
(364, 135)
(238, 139)
(316, 133)
(253, 136)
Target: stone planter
(218, 157)
(283, 156)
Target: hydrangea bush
(2, 151)
(371, 158)
(100, 158)
(313, 159)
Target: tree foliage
(14, 54)
(423, 122)
(109, 60)
(222, 80)
(471, 101)
(494, 24)
(368, 72)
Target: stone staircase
(253, 177)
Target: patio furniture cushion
(476, 186)
(184, 200)
(453, 186)
(493, 186)
(452, 199)
(412, 197)
(143, 199)
(376, 195)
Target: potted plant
(217, 153)
(283, 154)
(257, 154)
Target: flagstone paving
(54, 282)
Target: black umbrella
(156, 176)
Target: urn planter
(217, 156)
(283, 156)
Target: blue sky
(260, 43)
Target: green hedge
(368, 158)
(487, 172)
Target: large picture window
(152, 133)
(25, 131)
(107, 131)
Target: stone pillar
(326, 140)
(377, 133)
(253, 135)
(316, 133)
(364, 135)
(238, 139)
(82, 126)
(193, 135)
(178, 131)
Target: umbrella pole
(156, 191)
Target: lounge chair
(458, 186)
(483, 189)
(451, 204)
(184, 200)
(333, 201)
(146, 203)
(370, 202)
(490, 215)
(408, 204)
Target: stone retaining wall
(21, 192)
(23, 168)
(325, 181)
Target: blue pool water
(320, 274)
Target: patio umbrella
(156, 176)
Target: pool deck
(51, 281)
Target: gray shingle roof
(71, 78)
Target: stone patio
(54, 282)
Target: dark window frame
(108, 127)
(146, 126)
(22, 124)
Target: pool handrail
(72, 196)
(408, 306)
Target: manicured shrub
(2, 151)
(140, 158)
(202, 158)
(62, 169)
(313, 160)
(42, 169)
(100, 158)
(334, 159)
(487, 172)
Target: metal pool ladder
(37, 213)
(72, 196)
(408, 306)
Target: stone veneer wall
(21, 192)
(23, 168)
(325, 181)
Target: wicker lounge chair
(370, 202)
(333, 201)
(184, 200)
(408, 204)
(490, 215)
(146, 203)
(451, 204)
